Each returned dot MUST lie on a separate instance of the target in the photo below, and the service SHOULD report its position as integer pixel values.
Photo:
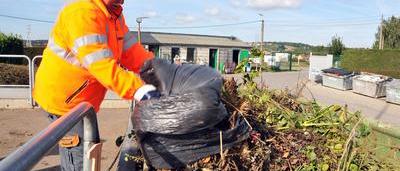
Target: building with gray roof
(200, 49)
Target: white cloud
(213, 11)
(266, 4)
(237, 3)
(151, 14)
(184, 19)
(217, 13)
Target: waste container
(372, 85)
(337, 81)
(337, 78)
(393, 91)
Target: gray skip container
(370, 85)
(338, 82)
(393, 91)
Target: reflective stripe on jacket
(88, 52)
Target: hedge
(14, 74)
(11, 44)
(384, 62)
(33, 51)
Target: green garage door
(243, 55)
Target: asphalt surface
(20, 125)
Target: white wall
(317, 64)
(165, 52)
(224, 55)
(201, 54)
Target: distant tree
(336, 47)
(319, 50)
(256, 52)
(281, 48)
(391, 34)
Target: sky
(307, 21)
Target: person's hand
(147, 92)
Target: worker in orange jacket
(90, 50)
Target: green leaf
(338, 147)
(353, 167)
(298, 124)
(364, 130)
(311, 155)
(324, 167)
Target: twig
(220, 144)
(271, 139)
(247, 122)
(351, 136)
(235, 166)
(261, 140)
(290, 166)
(240, 112)
(312, 95)
(319, 124)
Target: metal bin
(338, 82)
(393, 91)
(370, 85)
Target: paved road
(17, 126)
(370, 107)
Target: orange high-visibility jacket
(88, 52)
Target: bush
(33, 51)
(11, 44)
(384, 62)
(14, 74)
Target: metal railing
(32, 67)
(30, 74)
(25, 157)
(33, 76)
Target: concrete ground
(19, 125)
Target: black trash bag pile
(337, 71)
(185, 124)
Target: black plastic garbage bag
(176, 151)
(184, 125)
(337, 71)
